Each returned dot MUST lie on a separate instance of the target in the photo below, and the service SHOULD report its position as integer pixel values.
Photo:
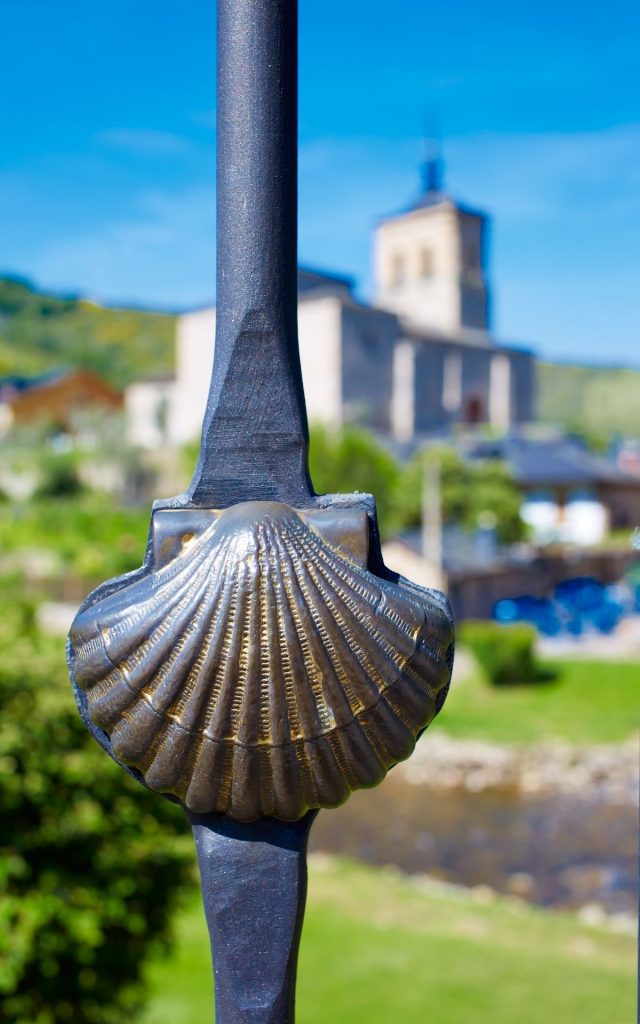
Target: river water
(561, 850)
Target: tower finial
(433, 166)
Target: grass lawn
(381, 949)
(588, 702)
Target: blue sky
(107, 149)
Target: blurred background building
(479, 374)
(417, 362)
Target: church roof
(433, 193)
(469, 338)
(428, 199)
(466, 338)
(319, 281)
(310, 283)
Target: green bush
(470, 492)
(41, 332)
(91, 538)
(59, 477)
(353, 460)
(91, 864)
(506, 653)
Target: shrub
(59, 477)
(469, 491)
(506, 653)
(353, 460)
(91, 863)
(91, 538)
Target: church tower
(431, 261)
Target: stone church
(417, 361)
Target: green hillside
(41, 332)
(598, 400)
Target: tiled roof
(549, 461)
(18, 384)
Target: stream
(560, 850)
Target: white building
(417, 362)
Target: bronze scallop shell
(260, 669)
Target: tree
(59, 476)
(496, 494)
(352, 460)
(40, 332)
(91, 863)
(471, 493)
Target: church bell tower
(431, 260)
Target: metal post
(256, 379)
(254, 885)
(263, 663)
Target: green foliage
(590, 702)
(497, 498)
(91, 864)
(597, 402)
(40, 332)
(354, 461)
(506, 653)
(597, 441)
(188, 460)
(88, 536)
(472, 494)
(453, 477)
(59, 477)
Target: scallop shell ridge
(261, 671)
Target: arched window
(473, 409)
(426, 263)
(398, 270)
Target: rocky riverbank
(607, 773)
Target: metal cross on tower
(263, 663)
